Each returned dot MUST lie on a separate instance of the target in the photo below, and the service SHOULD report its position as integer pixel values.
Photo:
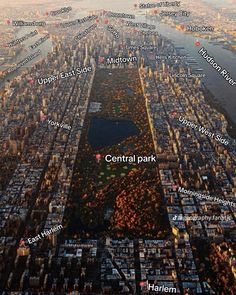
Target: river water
(220, 88)
(224, 93)
(45, 48)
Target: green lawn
(117, 108)
(107, 172)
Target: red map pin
(8, 22)
(98, 156)
(197, 43)
(174, 114)
(174, 186)
(106, 21)
(101, 59)
(43, 118)
(22, 242)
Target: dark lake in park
(105, 132)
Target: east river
(223, 92)
(45, 48)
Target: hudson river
(224, 93)
(222, 90)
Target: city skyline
(117, 139)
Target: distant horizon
(91, 4)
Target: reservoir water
(105, 132)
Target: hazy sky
(12, 3)
(121, 5)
